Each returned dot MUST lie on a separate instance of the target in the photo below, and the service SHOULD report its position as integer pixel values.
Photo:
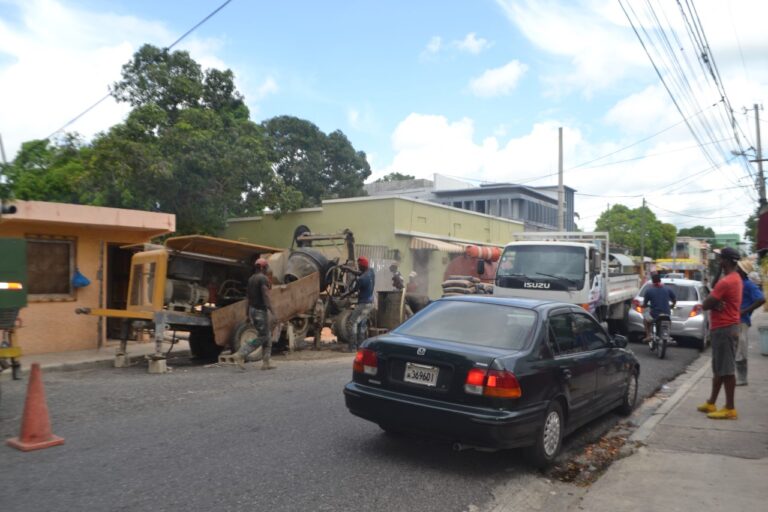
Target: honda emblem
(421, 351)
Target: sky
(473, 89)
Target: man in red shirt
(724, 305)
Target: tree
(46, 171)
(750, 233)
(395, 176)
(626, 226)
(698, 232)
(187, 147)
(320, 166)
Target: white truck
(568, 267)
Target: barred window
(50, 266)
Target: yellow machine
(178, 285)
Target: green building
(418, 235)
(728, 239)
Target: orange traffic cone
(35, 426)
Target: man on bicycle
(659, 297)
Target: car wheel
(549, 437)
(630, 395)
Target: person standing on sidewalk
(364, 285)
(259, 311)
(724, 305)
(751, 299)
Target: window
(589, 333)
(50, 266)
(486, 325)
(561, 328)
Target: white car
(690, 323)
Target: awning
(437, 245)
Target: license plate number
(421, 374)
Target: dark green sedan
(484, 372)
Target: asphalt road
(201, 439)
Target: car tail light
(365, 362)
(637, 306)
(475, 381)
(696, 311)
(497, 383)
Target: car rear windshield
(488, 325)
(683, 293)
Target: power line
(177, 41)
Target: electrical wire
(109, 94)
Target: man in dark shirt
(259, 309)
(364, 286)
(659, 297)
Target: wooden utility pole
(560, 189)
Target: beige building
(418, 235)
(62, 238)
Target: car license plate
(421, 374)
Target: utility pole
(642, 240)
(760, 176)
(560, 189)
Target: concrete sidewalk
(688, 462)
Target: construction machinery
(13, 297)
(182, 284)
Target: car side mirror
(620, 341)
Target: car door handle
(566, 373)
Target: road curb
(88, 365)
(645, 430)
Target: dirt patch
(586, 467)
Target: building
(535, 207)
(417, 235)
(63, 239)
(728, 240)
(689, 257)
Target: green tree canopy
(698, 231)
(46, 171)
(320, 166)
(626, 226)
(187, 147)
(395, 176)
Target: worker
(259, 314)
(363, 285)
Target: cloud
(269, 86)
(56, 60)
(499, 81)
(669, 171)
(472, 44)
(434, 45)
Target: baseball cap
(731, 254)
(362, 262)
